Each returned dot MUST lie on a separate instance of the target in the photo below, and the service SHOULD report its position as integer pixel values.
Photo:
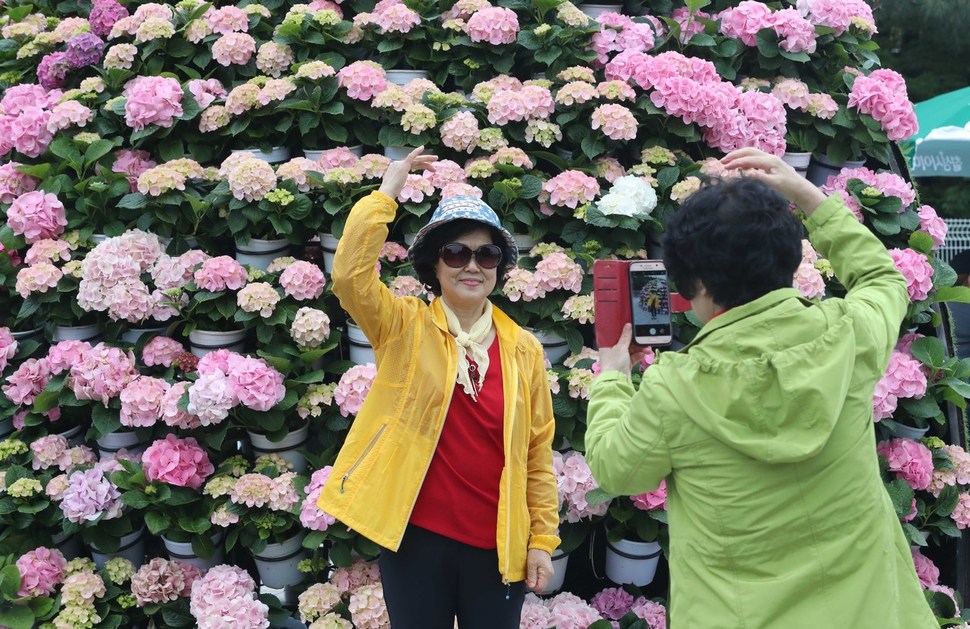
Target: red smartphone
(615, 304)
(611, 300)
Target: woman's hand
(622, 356)
(396, 174)
(774, 172)
(538, 570)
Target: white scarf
(470, 344)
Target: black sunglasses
(457, 255)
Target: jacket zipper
(362, 456)
(508, 482)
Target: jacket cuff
(547, 543)
(828, 208)
(380, 197)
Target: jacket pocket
(363, 455)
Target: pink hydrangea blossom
(363, 80)
(882, 95)
(28, 132)
(460, 132)
(931, 223)
(161, 350)
(654, 613)
(161, 581)
(926, 570)
(904, 377)
(179, 462)
(745, 20)
(495, 25)
(152, 100)
(259, 297)
(303, 281)
(367, 607)
(917, 270)
(257, 385)
(395, 17)
(558, 271)
(568, 611)
(14, 183)
(102, 373)
(89, 496)
(573, 480)
(522, 284)
(571, 188)
(206, 91)
(616, 121)
(910, 460)
(141, 401)
(228, 19)
(838, 14)
(41, 571)
(652, 500)
(612, 603)
(353, 387)
(961, 512)
(37, 215)
(211, 397)
(221, 273)
(225, 597)
(234, 49)
(8, 348)
(249, 178)
(104, 14)
(132, 163)
(795, 33)
(27, 381)
(359, 573)
(311, 516)
(62, 356)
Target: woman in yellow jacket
(448, 465)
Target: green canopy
(941, 148)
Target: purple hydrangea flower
(84, 50)
(103, 16)
(53, 69)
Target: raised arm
(859, 259)
(355, 280)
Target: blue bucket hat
(468, 207)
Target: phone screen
(650, 301)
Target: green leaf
(104, 420)
(136, 499)
(17, 617)
(598, 496)
(929, 351)
(959, 294)
(156, 522)
(133, 201)
(9, 582)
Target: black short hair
(425, 258)
(738, 237)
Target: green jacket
(763, 428)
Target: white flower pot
(132, 548)
(278, 564)
(909, 432)
(821, 169)
(182, 551)
(595, 10)
(633, 562)
(288, 447)
(395, 153)
(278, 154)
(89, 333)
(361, 351)
(328, 242)
(403, 77)
(97, 239)
(259, 253)
(554, 345)
(132, 335)
(113, 442)
(798, 160)
(27, 334)
(201, 342)
(314, 154)
(74, 436)
(69, 544)
(524, 242)
(559, 562)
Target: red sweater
(459, 497)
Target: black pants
(432, 579)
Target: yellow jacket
(382, 465)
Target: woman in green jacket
(762, 425)
(448, 464)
